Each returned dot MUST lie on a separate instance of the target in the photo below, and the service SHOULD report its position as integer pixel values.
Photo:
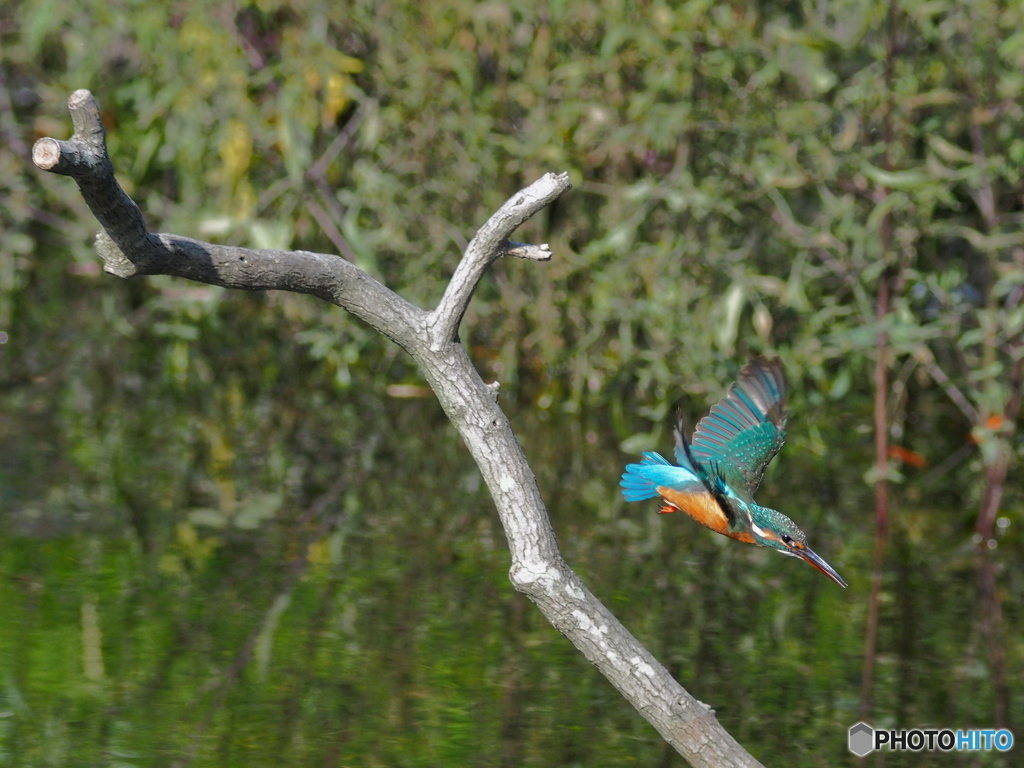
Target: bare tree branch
(128, 249)
(487, 245)
(537, 569)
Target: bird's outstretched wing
(746, 428)
(737, 514)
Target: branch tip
(79, 98)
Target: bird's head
(773, 529)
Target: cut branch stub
(526, 251)
(84, 158)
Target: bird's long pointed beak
(811, 557)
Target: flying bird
(720, 469)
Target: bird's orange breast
(705, 509)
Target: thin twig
(953, 392)
(333, 234)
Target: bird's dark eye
(786, 539)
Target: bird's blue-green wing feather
(746, 428)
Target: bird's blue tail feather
(636, 486)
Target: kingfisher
(721, 467)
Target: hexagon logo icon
(862, 738)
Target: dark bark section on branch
(537, 569)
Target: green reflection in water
(359, 612)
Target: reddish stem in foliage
(881, 381)
(881, 497)
(995, 473)
(988, 595)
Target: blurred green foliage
(229, 539)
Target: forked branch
(537, 568)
